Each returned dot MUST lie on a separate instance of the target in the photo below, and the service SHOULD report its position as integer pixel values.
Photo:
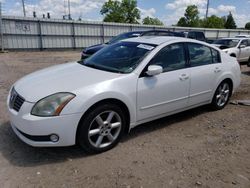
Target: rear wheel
(101, 129)
(221, 96)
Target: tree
(230, 23)
(182, 22)
(247, 26)
(151, 21)
(213, 22)
(124, 11)
(191, 17)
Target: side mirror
(242, 46)
(154, 70)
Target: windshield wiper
(101, 68)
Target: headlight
(52, 105)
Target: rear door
(205, 68)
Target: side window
(200, 36)
(151, 33)
(244, 42)
(165, 34)
(199, 54)
(216, 56)
(248, 42)
(171, 57)
(191, 35)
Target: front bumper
(36, 131)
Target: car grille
(16, 101)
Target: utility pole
(69, 9)
(24, 12)
(1, 28)
(207, 8)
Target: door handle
(217, 69)
(183, 77)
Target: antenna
(24, 12)
(207, 8)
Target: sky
(168, 11)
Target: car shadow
(20, 154)
(246, 72)
(161, 123)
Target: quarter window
(199, 54)
(171, 57)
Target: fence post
(102, 33)
(73, 35)
(217, 35)
(1, 28)
(40, 35)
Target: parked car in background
(242, 36)
(235, 47)
(94, 101)
(197, 35)
(93, 49)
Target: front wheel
(221, 96)
(101, 129)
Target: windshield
(123, 36)
(227, 42)
(122, 57)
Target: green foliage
(247, 26)
(191, 17)
(151, 21)
(125, 11)
(230, 23)
(182, 22)
(213, 22)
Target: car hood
(67, 77)
(93, 49)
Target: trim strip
(162, 103)
(203, 92)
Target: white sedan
(94, 101)
(235, 47)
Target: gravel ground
(197, 148)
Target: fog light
(54, 138)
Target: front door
(168, 91)
(244, 52)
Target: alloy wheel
(104, 129)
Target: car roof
(157, 40)
(234, 38)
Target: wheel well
(233, 55)
(230, 82)
(109, 101)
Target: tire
(221, 96)
(101, 129)
(248, 62)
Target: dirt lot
(197, 148)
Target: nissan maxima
(95, 101)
